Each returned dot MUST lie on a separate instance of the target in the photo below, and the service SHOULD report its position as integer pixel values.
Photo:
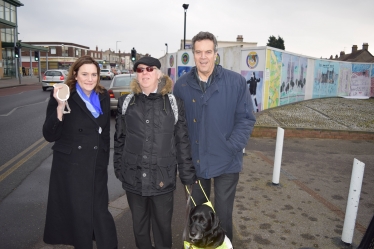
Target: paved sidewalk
(13, 82)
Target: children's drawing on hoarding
(255, 81)
(301, 81)
(372, 81)
(273, 78)
(345, 74)
(360, 81)
(183, 70)
(325, 79)
(292, 79)
(171, 74)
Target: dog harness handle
(208, 203)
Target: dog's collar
(226, 244)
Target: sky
(316, 28)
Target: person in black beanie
(150, 143)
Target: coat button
(147, 121)
(194, 120)
(80, 130)
(193, 100)
(197, 141)
(145, 157)
(95, 148)
(79, 147)
(198, 161)
(144, 174)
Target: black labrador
(204, 228)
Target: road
(25, 159)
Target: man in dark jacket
(220, 119)
(150, 141)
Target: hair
(85, 59)
(204, 36)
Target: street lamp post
(166, 47)
(185, 7)
(116, 45)
(63, 55)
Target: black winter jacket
(148, 147)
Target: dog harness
(225, 245)
(208, 203)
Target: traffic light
(133, 54)
(16, 52)
(36, 55)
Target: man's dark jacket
(220, 120)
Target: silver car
(119, 86)
(52, 77)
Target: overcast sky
(310, 27)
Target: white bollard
(278, 155)
(353, 200)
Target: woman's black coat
(148, 146)
(78, 193)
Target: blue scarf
(92, 102)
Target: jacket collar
(77, 99)
(165, 86)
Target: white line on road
(4, 115)
(23, 160)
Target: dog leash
(208, 203)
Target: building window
(7, 35)
(7, 12)
(52, 50)
(13, 14)
(2, 9)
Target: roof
(14, 2)
(362, 55)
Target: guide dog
(203, 228)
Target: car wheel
(44, 88)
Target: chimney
(336, 56)
(354, 48)
(330, 57)
(342, 53)
(239, 38)
(365, 46)
(96, 48)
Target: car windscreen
(53, 73)
(104, 71)
(122, 81)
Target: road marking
(23, 160)
(4, 115)
(20, 154)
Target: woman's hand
(61, 104)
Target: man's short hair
(204, 36)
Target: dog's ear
(214, 219)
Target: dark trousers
(224, 195)
(155, 211)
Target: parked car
(52, 77)
(125, 71)
(106, 74)
(119, 86)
